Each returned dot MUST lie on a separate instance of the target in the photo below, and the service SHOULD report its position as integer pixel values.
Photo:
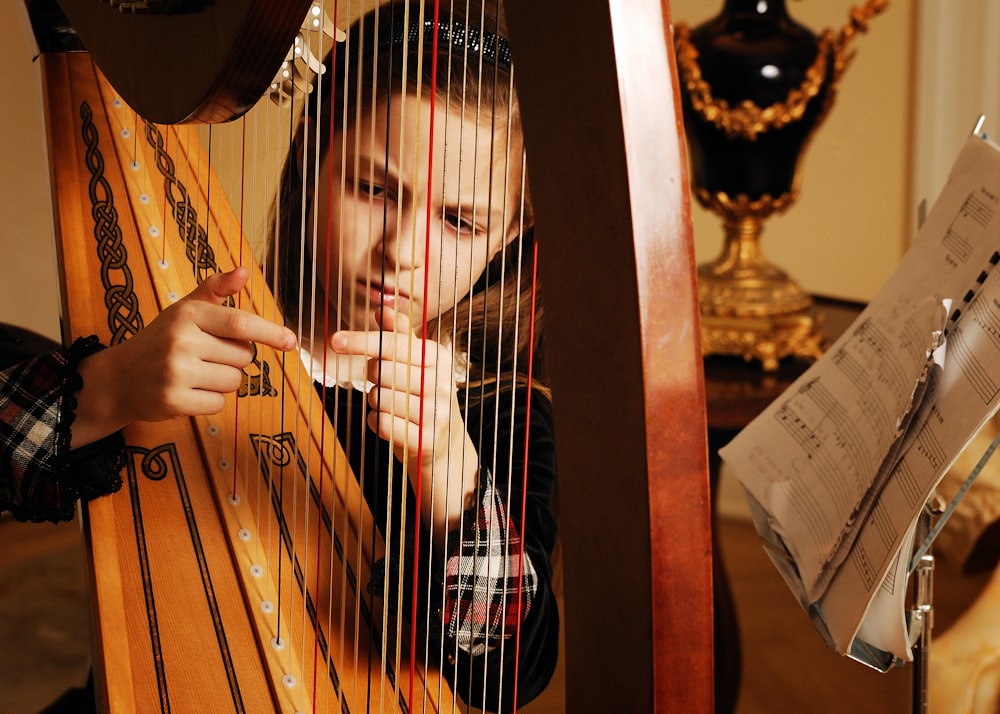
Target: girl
(403, 255)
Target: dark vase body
(752, 51)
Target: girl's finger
(389, 318)
(395, 375)
(230, 323)
(218, 378)
(378, 344)
(395, 403)
(227, 352)
(217, 287)
(403, 434)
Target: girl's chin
(361, 322)
(362, 319)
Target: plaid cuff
(490, 582)
(42, 480)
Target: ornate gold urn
(756, 86)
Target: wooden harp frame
(623, 349)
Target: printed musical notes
(971, 219)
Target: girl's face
(390, 229)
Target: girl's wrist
(96, 413)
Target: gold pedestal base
(768, 339)
(757, 312)
(750, 307)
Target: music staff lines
(883, 526)
(962, 350)
(861, 562)
(889, 584)
(973, 216)
(873, 348)
(929, 447)
(870, 552)
(809, 506)
(813, 416)
(908, 483)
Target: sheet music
(969, 394)
(840, 465)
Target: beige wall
(29, 293)
(842, 239)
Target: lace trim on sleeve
(94, 470)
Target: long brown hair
(498, 324)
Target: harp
(182, 619)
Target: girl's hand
(182, 364)
(427, 434)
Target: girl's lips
(380, 295)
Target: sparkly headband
(457, 35)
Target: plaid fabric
(487, 577)
(40, 480)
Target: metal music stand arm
(921, 617)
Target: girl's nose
(404, 239)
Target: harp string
(368, 172)
(418, 486)
(323, 434)
(308, 234)
(397, 247)
(438, 367)
(502, 307)
(348, 428)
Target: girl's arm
(520, 536)
(61, 413)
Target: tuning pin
(301, 63)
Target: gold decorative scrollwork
(742, 206)
(747, 120)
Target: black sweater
(483, 681)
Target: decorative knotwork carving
(124, 318)
(257, 378)
(156, 463)
(196, 246)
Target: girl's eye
(461, 225)
(370, 189)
